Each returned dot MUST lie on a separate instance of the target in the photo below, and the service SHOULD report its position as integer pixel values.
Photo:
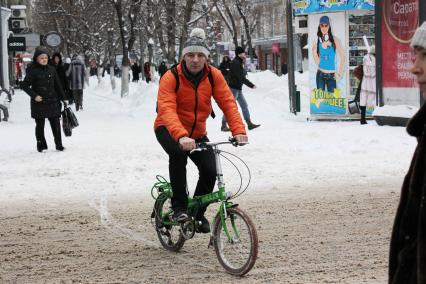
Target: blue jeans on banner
(326, 80)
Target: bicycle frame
(196, 202)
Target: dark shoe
(180, 215)
(41, 145)
(251, 125)
(225, 128)
(204, 225)
(363, 122)
(60, 148)
(5, 119)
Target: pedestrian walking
(407, 260)
(43, 85)
(3, 108)
(136, 70)
(57, 63)
(225, 66)
(147, 72)
(368, 84)
(237, 77)
(162, 69)
(76, 74)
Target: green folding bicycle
(233, 233)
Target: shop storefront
(339, 35)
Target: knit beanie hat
(239, 50)
(39, 51)
(419, 38)
(196, 43)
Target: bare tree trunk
(187, 17)
(171, 29)
(230, 26)
(246, 29)
(126, 46)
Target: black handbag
(353, 106)
(66, 125)
(72, 119)
(69, 121)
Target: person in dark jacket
(407, 260)
(136, 70)
(43, 85)
(147, 72)
(236, 79)
(76, 74)
(56, 62)
(225, 66)
(162, 69)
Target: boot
(41, 145)
(363, 110)
(224, 127)
(251, 125)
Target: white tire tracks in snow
(108, 221)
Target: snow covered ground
(115, 150)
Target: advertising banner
(400, 20)
(302, 7)
(327, 63)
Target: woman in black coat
(225, 66)
(407, 262)
(43, 85)
(60, 69)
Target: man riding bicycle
(184, 104)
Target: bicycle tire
(220, 239)
(166, 233)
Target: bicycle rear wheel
(170, 236)
(237, 254)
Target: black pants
(78, 98)
(204, 160)
(56, 130)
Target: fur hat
(196, 43)
(239, 50)
(419, 38)
(39, 51)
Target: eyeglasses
(323, 25)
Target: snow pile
(404, 111)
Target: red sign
(275, 48)
(400, 20)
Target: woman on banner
(324, 51)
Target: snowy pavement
(115, 150)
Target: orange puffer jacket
(185, 113)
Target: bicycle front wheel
(238, 252)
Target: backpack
(359, 72)
(174, 71)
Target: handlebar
(205, 145)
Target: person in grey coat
(76, 75)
